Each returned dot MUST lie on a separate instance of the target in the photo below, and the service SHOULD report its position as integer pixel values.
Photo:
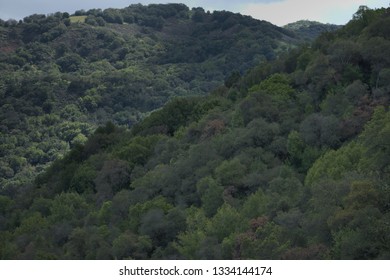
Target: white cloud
(326, 11)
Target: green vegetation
(310, 30)
(62, 76)
(287, 161)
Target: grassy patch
(77, 19)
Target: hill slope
(310, 30)
(61, 76)
(290, 161)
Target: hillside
(63, 75)
(288, 161)
(310, 30)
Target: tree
(211, 195)
(134, 154)
(83, 179)
(232, 79)
(336, 164)
(138, 210)
(229, 172)
(375, 137)
(321, 131)
(224, 223)
(355, 91)
(198, 14)
(69, 207)
(255, 205)
(263, 240)
(261, 132)
(295, 147)
(131, 246)
(70, 62)
(76, 248)
(160, 227)
(114, 176)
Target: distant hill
(310, 30)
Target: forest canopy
(287, 160)
(62, 75)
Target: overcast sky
(278, 12)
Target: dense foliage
(289, 161)
(63, 75)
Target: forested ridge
(62, 75)
(287, 161)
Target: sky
(279, 12)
